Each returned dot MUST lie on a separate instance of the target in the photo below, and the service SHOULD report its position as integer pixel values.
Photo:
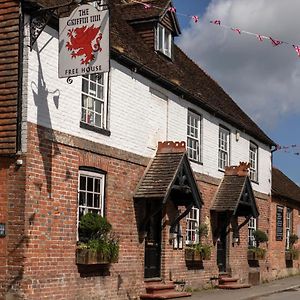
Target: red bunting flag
(236, 30)
(217, 22)
(195, 18)
(260, 38)
(275, 42)
(297, 49)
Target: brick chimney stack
(240, 170)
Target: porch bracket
(180, 217)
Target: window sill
(254, 181)
(196, 161)
(221, 170)
(95, 129)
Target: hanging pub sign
(84, 42)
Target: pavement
(252, 293)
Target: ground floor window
(252, 226)
(192, 224)
(90, 193)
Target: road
(289, 294)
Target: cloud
(264, 80)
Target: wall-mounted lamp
(237, 135)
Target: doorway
(153, 247)
(222, 251)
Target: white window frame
(253, 160)
(94, 100)
(163, 40)
(252, 226)
(288, 226)
(192, 225)
(194, 136)
(98, 184)
(224, 148)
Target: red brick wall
(50, 218)
(277, 260)
(42, 225)
(12, 195)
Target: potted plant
(292, 253)
(97, 244)
(257, 253)
(200, 251)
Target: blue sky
(264, 80)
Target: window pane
(85, 85)
(82, 183)
(90, 184)
(82, 199)
(89, 199)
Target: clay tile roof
(160, 174)
(235, 194)
(136, 11)
(229, 193)
(284, 187)
(161, 171)
(165, 172)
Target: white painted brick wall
(137, 118)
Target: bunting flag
(196, 19)
(217, 22)
(260, 38)
(236, 30)
(275, 42)
(297, 49)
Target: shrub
(260, 237)
(293, 240)
(95, 234)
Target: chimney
(240, 170)
(171, 147)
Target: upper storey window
(194, 136)
(94, 100)
(253, 151)
(163, 40)
(224, 147)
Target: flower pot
(192, 255)
(256, 254)
(291, 255)
(92, 257)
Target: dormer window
(163, 38)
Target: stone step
(233, 286)
(167, 295)
(226, 280)
(160, 288)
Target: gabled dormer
(155, 21)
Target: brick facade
(41, 261)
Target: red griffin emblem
(81, 42)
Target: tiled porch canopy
(235, 198)
(169, 177)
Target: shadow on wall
(48, 147)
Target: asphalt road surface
(292, 294)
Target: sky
(264, 80)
